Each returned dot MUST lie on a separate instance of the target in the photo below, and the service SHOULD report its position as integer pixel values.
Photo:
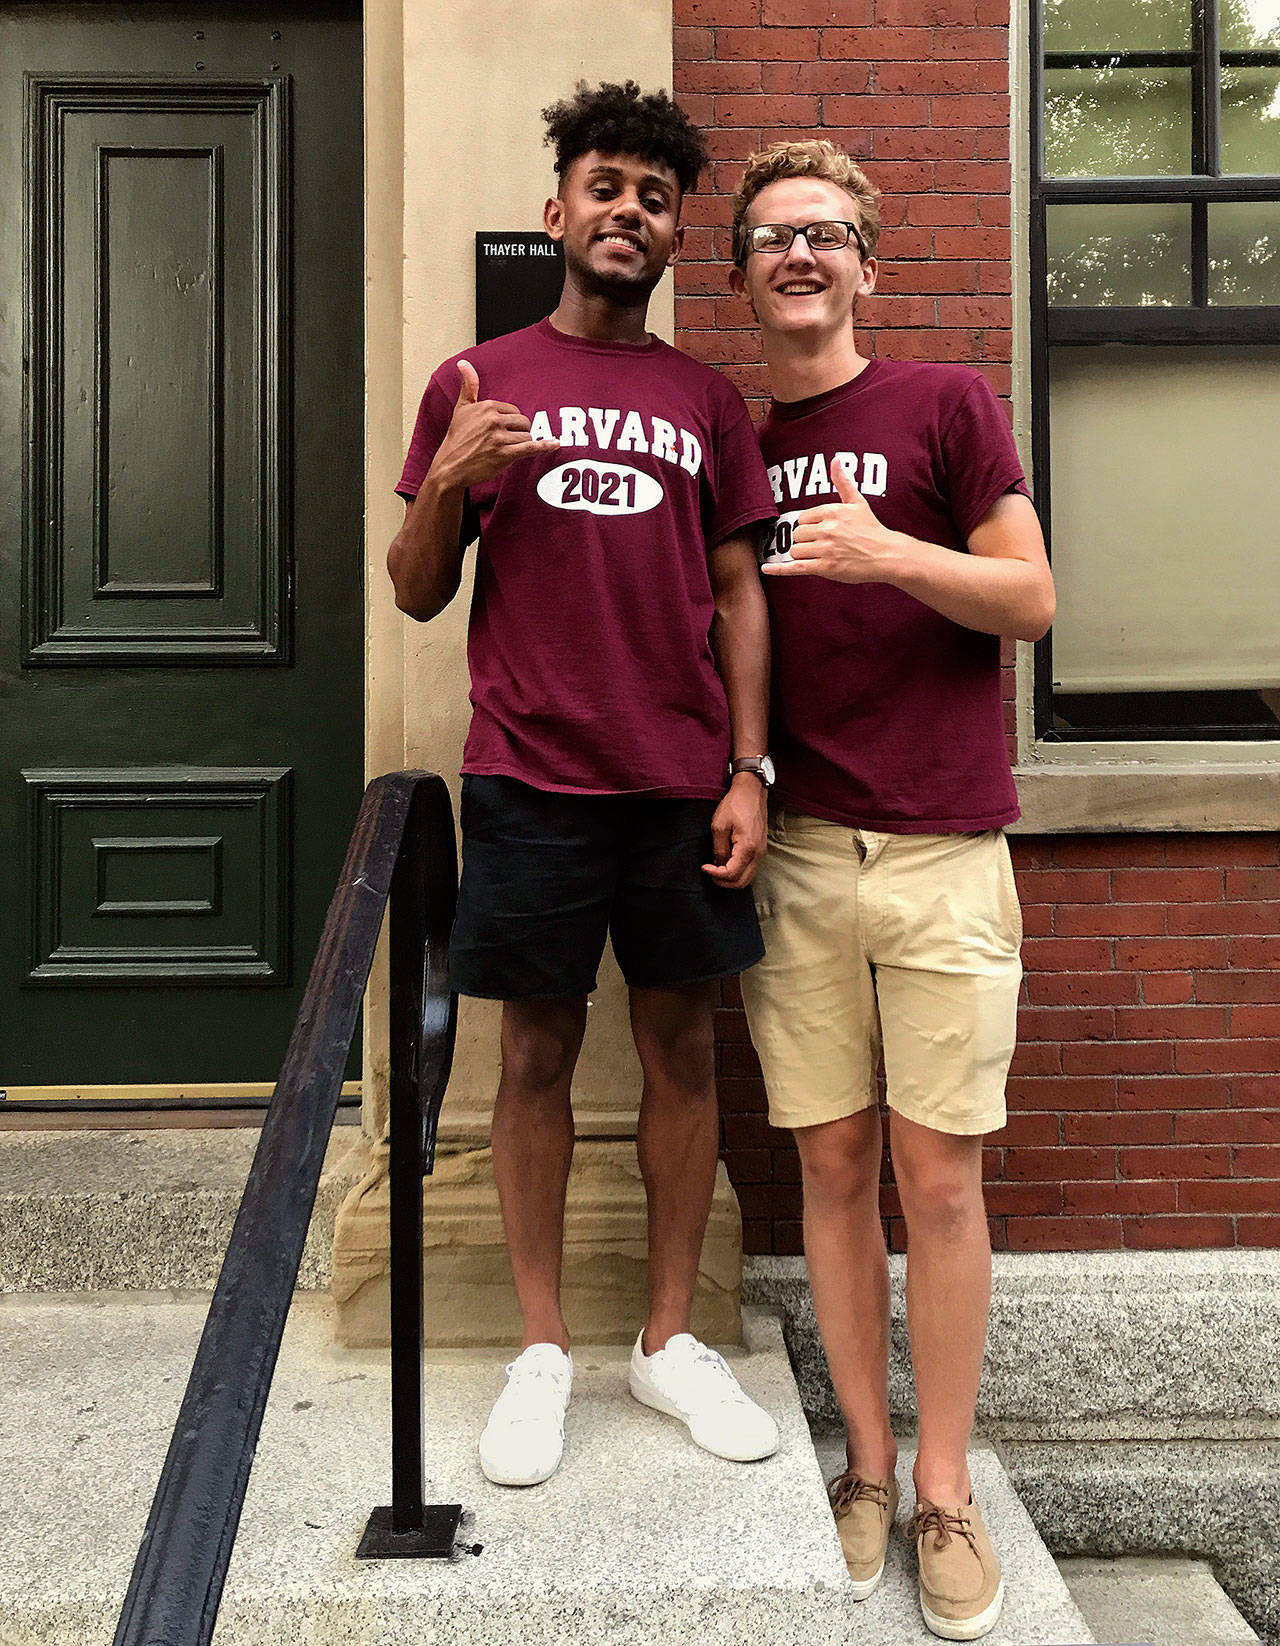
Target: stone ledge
(84, 1211)
(1157, 1599)
(1210, 1500)
(1086, 1345)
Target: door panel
(181, 673)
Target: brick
(1169, 1233)
(755, 110)
(1228, 1057)
(1120, 1057)
(994, 211)
(980, 243)
(1037, 920)
(1173, 1092)
(757, 1239)
(1259, 883)
(1061, 1093)
(759, 45)
(731, 345)
(1114, 1199)
(926, 277)
(700, 13)
(1109, 920)
(1257, 1160)
(902, 311)
(1024, 1199)
(1227, 1126)
(920, 143)
(946, 77)
(1227, 918)
(875, 45)
(875, 111)
(1066, 1023)
(1037, 1128)
(934, 13)
(996, 277)
(695, 77)
(1000, 377)
(972, 42)
(737, 1058)
(1170, 1022)
(1108, 850)
(731, 1025)
(1117, 1127)
(1170, 954)
(1062, 1234)
(1051, 987)
(788, 1239)
(1067, 954)
(991, 143)
(815, 77)
(1060, 1165)
(1260, 952)
(976, 311)
(1175, 1162)
(1166, 988)
(691, 44)
(1228, 1196)
(820, 13)
(1167, 885)
(984, 109)
(944, 209)
(1258, 1231)
(749, 1165)
(1240, 850)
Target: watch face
(766, 770)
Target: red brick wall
(1144, 1100)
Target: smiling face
(617, 218)
(800, 292)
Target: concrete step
(143, 1211)
(1157, 1601)
(1038, 1608)
(640, 1538)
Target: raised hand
(484, 436)
(843, 541)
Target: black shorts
(545, 876)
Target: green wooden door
(181, 393)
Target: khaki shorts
(905, 940)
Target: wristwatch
(760, 764)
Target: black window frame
(1194, 324)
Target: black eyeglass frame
(745, 247)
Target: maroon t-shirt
(591, 667)
(887, 715)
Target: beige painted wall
(454, 144)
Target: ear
(738, 281)
(677, 245)
(553, 217)
(870, 269)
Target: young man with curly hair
(906, 546)
(618, 649)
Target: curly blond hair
(814, 158)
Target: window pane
(1125, 256)
(1117, 122)
(1121, 25)
(1249, 25)
(1250, 120)
(1244, 252)
(1166, 550)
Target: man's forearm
(995, 595)
(425, 558)
(740, 644)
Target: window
(1155, 263)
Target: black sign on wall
(518, 281)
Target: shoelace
(726, 1385)
(847, 1489)
(928, 1517)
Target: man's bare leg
(939, 1178)
(678, 1142)
(532, 1151)
(849, 1275)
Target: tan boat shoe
(961, 1590)
(864, 1511)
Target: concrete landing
(1156, 1601)
(1038, 1608)
(641, 1538)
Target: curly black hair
(621, 119)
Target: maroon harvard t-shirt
(591, 667)
(887, 715)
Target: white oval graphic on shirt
(600, 488)
(776, 548)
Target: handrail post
(423, 891)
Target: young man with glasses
(905, 547)
(619, 658)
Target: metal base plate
(433, 1539)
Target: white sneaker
(524, 1437)
(689, 1381)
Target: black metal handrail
(402, 848)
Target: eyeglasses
(832, 235)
